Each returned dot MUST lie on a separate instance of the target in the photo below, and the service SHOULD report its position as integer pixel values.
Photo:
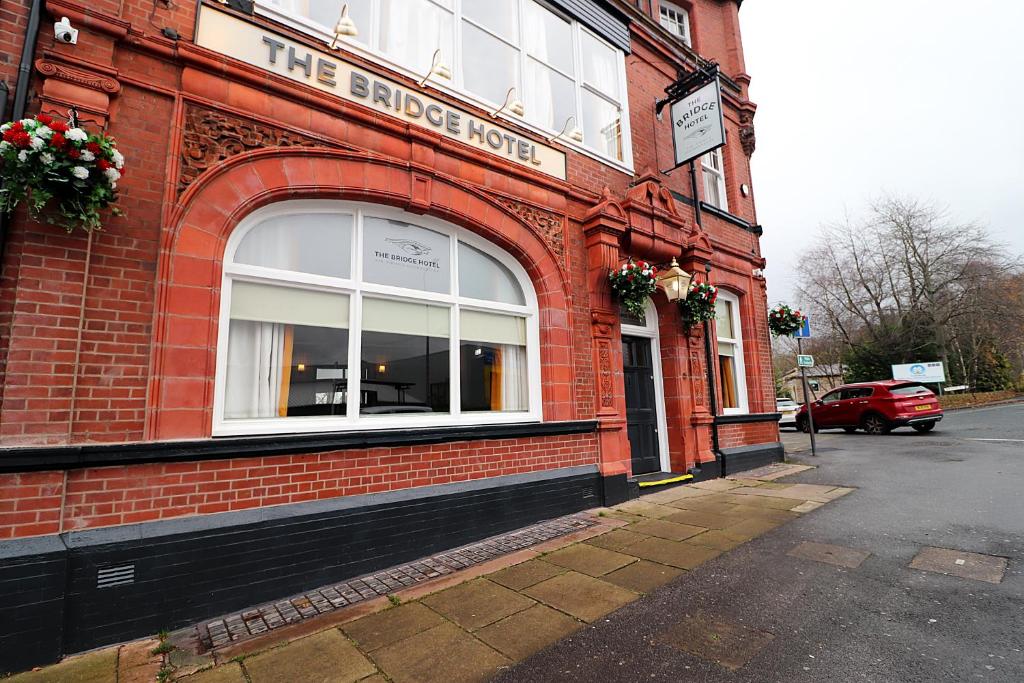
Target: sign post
(805, 362)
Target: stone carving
(211, 137)
(748, 140)
(547, 224)
(604, 356)
(86, 79)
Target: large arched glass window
(348, 316)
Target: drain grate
(116, 575)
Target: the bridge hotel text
(243, 41)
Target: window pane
(713, 189)
(723, 318)
(268, 303)
(547, 36)
(493, 377)
(726, 349)
(482, 277)
(549, 96)
(727, 378)
(397, 253)
(410, 31)
(602, 125)
(490, 67)
(403, 364)
(497, 15)
(600, 65)
(316, 243)
(282, 370)
(492, 327)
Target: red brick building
(357, 309)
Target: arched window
(340, 316)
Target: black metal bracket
(685, 84)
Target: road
(958, 487)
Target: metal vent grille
(589, 492)
(119, 575)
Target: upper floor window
(339, 316)
(676, 20)
(731, 373)
(565, 76)
(714, 179)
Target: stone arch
(190, 267)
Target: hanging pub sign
(697, 125)
(327, 72)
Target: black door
(641, 412)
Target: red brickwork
(30, 504)
(730, 436)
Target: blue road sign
(805, 331)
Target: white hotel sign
(324, 71)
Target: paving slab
(715, 538)
(444, 653)
(729, 644)
(325, 656)
(988, 568)
(527, 632)
(478, 603)
(751, 528)
(676, 493)
(807, 506)
(589, 559)
(700, 518)
(642, 576)
(645, 509)
(717, 485)
(94, 667)
(841, 556)
(672, 553)
(582, 596)
(799, 492)
(763, 512)
(229, 673)
(718, 507)
(770, 502)
(391, 625)
(617, 539)
(775, 471)
(526, 574)
(662, 529)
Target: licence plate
(926, 406)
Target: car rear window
(910, 390)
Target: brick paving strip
(467, 614)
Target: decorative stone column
(696, 254)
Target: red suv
(875, 407)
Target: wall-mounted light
(675, 282)
(478, 351)
(574, 134)
(512, 104)
(301, 367)
(344, 28)
(437, 68)
(381, 369)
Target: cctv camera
(64, 32)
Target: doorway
(645, 400)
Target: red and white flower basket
(633, 283)
(784, 321)
(699, 304)
(63, 174)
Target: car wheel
(875, 425)
(849, 430)
(805, 427)
(923, 427)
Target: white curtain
(537, 80)
(255, 364)
(513, 378)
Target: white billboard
(920, 372)
(697, 126)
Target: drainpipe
(28, 50)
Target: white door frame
(650, 331)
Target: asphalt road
(960, 487)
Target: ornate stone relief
(547, 224)
(747, 138)
(86, 79)
(212, 136)
(604, 356)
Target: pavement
(476, 624)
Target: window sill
(319, 36)
(32, 459)
(746, 418)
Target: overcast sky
(917, 97)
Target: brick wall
(730, 436)
(31, 504)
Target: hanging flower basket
(784, 321)
(64, 175)
(699, 304)
(633, 283)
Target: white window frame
(355, 288)
(282, 11)
(675, 20)
(738, 358)
(708, 164)
(651, 330)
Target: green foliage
(994, 371)
(784, 321)
(62, 174)
(394, 600)
(633, 283)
